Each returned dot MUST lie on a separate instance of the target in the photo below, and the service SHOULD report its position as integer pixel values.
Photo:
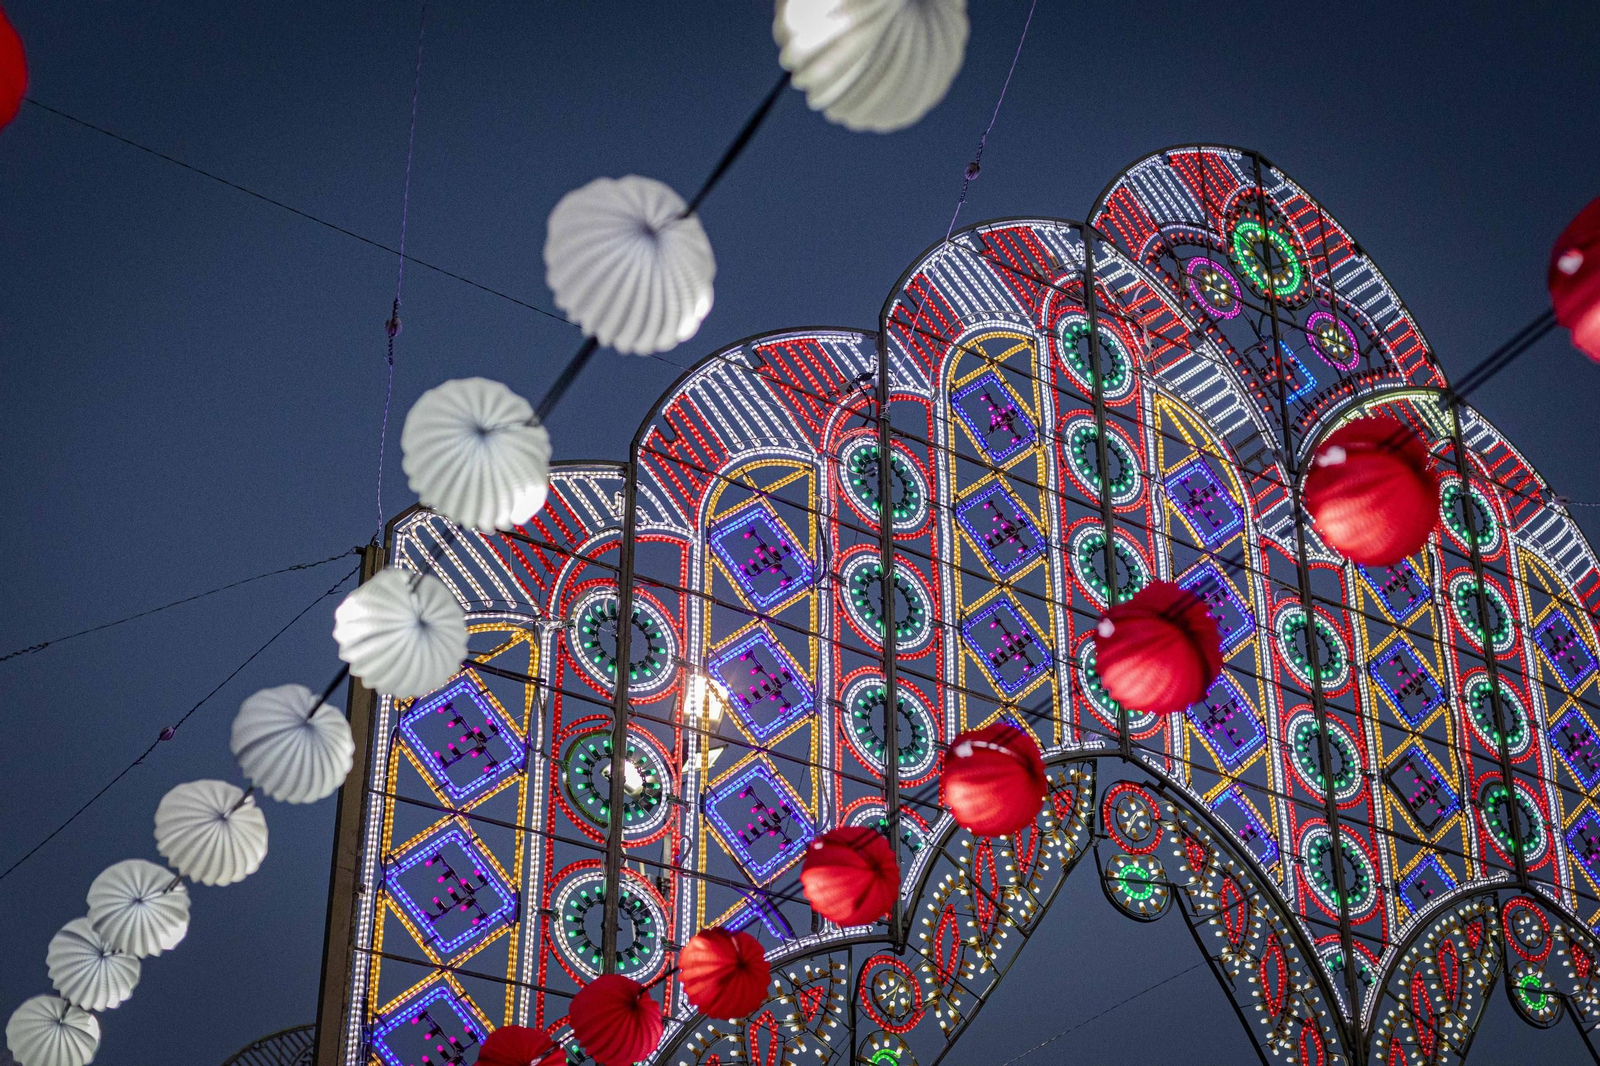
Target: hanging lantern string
(171, 731)
(580, 359)
(977, 160)
(392, 326)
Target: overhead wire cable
(973, 168)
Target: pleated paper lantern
(402, 633)
(288, 752)
(725, 974)
(13, 71)
(49, 1031)
(615, 1020)
(850, 875)
(1159, 651)
(1574, 280)
(993, 779)
(475, 452)
(1372, 492)
(138, 909)
(517, 1045)
(627, 267)
(876, 65)
(211, 832)
(88, 972)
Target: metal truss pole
(1102, 449)
(891, 700)
(344, 880)
(1319, 703)
(619, 720)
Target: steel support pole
(619, 722)
(344, 879)
(891, 699)
(1319, 703)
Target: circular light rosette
(858, 477)
(916, 734)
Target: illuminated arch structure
(1054, 430)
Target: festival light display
(1386, 805)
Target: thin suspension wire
(977, 160)
(296, 211)
(1101, 1014)
(32, 648)
(392, 326)
(171, 731)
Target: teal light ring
(1284, 278)
(1072, 332)
(1333, 654)
(1087, 552)
(1480, 711)
(858, 477)
(1081, 437)
(862, 580)
(1452, 514)
(1464, 600)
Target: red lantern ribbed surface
(725, 975)
(850, 875)
(993, 780)
(13, 71)
(615, 1020)
(1159, 651)
(1574, 279)
(1372, 492)
(517, 1045)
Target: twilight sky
(193, 379)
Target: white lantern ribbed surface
(402, 633)
(137, 908)
(88, 972)
(876, 65)
(627, 267)
(211, 832)
(49, 1031)
(475, 452)
(288, 752)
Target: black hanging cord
(568, 375)
(1503, 356)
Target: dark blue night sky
(193, 379)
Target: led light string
(976, 165)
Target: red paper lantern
(13, 71)
(993, 779)
(615, 1020)
(1159, 651)
(1574, 279)
(850, 875)
(724, 974)
(516, 1045)
(1372, 492)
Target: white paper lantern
(402, 633)
(877, 65)
(138, 909)
(475, 452)
(286, 751)
(625, 265)
(49, 1031)
(211, 832)
(88, 972)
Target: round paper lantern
(136, 906)
(288, 752)
(850, 875)
(1371, 491)
(1574, 279)
(402, 632)
(1159, 651)
(876, 65)
(88, 972)
(211, 832)
(49, 1031)
(625, 264)
(615, 1020)
(517, 1045)
(13, 71)
(993, 779)
(475, 452)
(725, 975)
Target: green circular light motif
(1453, 511)
(858, 471)
(1252, 244)
(1464, 597)
(1333, 660)
(586, 775)
(1497, 816)
(1527, 985)
(594, 639)
(1359, 880)
(914, 735)
(1304, 738)
(1137, 886)
(1481, 709)
(1089, 564)
(633, 955)
(1114, 362)
(1083, 452)
(912, 624)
